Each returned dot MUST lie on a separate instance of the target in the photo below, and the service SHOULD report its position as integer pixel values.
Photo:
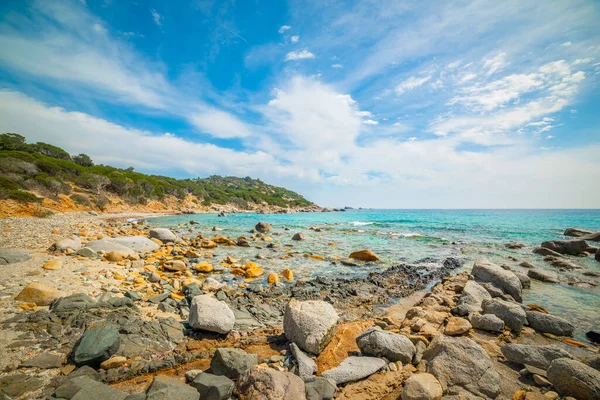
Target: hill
(41, 176)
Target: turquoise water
(412, 235)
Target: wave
(409, 234)
(360, 223)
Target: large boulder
(354, 369)
(485, 271)
(573, 247)
(231, 362)
(108, 246)
(137, 243)
(163, 234)
(298, 236)
(73, 242)
(459, 361)
(549, 323)
(511, 313)
(310, 324)
(263, 383)
(210, 314)
(213, 387)
(167, 387)
(263, 227)
(542, 275)
(306, 365)
(84, 387)
(535, 355)
(38, 293)
(422, 387)
(380, 343)
(11, 256)
(320, 389)
(364, 255)
(487, 322)
(470, 299)
(577, 232)
(574, 378)
(99, 342)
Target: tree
(13, 141)
(51, 151)
(84, 160)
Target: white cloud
(566, 44)
(337, 66)
(454, 64)
(284, 28)
(219, 124)
(467, 77)
(299, 55)
(495, 64)
(370, 122)
(295, 38)
(412, 83)
(412, 139)
(583, 61)
(99, 28)
(156, 17)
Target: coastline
(360, 303)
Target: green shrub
(9, 184)
(84, 160)
(80, 199)
(51, 151)
(101, 201)
(19, 195)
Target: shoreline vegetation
(108, 306)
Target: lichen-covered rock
(310, 324)
(394, 347)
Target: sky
(386, 104)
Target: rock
(511, 313)
(571, 247)
(485, 271)
(273, 278)
(204, 267)
(422, 387)
(594, 362)
(380, 343)
(253, 271)
(175, 265)
(39, 294)
(113, 362)
(135, 296)
(541, 381)
(211, 285)
(541, 275)
(210, 314)
(420, 347)
(86, 388)
(574, 378)
(99, 342)
(163, 234)
(310, 324)
(549, 323)
(263, 227)
(44, 361)
(137, 243)
(109, 245)
(514, 245)
(306, 366)
(546, 252)
(364, 255)
(53, 265)
(298, 236)
(577, 232)
(114, 256)
(593, 336)
(470, 299)
(166, 387)
(354, 369)
(487, 322)
(320, 389)
(73, 242)
(231, 362)
(87, 253)
(19, 384)
(459, 361)
(213, 387)
(457, 326)
(525, 281)
(535, 355)
(597, 256)
(263, 383)
(287, 274)
(11, 256)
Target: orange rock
(69, 252)
(192, 254)
(175, 265)
(119, 277)
(139, 280)
(114, 256)
(575, 343)
(364, 255)
(535, 307)
(28, 306)
(251, 264)
(113, 362)
(316, 257)
(53, 265)
(238, 272)
(272, 278)
(519, 395)
(254, 272)
(287, 274)
(204, 266)
(55, 231)
(331, 244)
(342, 344)
(208, 244)
(176, 296)
(39, 294)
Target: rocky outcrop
(459, 361)
(534, 355)
(511, 313)
(573, 247)
(549, 323)
(485, 271)
(231, 362)
(574, 378)
(380, 343)
(210, 314)
(577, 232)
(471, 298)
(263, 383)
(163, 234)
(354, 369)
(310, 324)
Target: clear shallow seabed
(412, 235)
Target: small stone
(210, 314)
(175, 265)
(213, 387)
(287, 274)
(306, 365)
(113, 362)
(44, 361)
(114, 256)
(272, 278)
(541, 381)
(204, 267)
(354, 368)
(163, 234)
(457, 326)
(231, 362)
(364, 255)
(53, 265)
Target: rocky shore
(108, 307)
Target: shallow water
(412, 235)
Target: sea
(414, 236)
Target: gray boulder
(298, 236)
(535, 355)
(167, 387)
(470, 299)
(380, 343)
(87, 253)
(310, 324)
(549, 323)
(525, 281)
(542, 251)
(577, 232)
(266, 383)
(320, 389)
(11, 256)
(485, 271)
(422, 387)
(73, 242)
(213, 387)
(574, 378)
(210, 314)
(108, 245)
(306, 365)
(44, 361)
(163, 234)
(137, 243)
(571, 247)
(263, 227)
(544, 276)
(354, 369)
(231, 362)
(459, 361)
(487, 322)
(85, 388)
(511, 313)
(99, 342)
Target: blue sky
(395, 104)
